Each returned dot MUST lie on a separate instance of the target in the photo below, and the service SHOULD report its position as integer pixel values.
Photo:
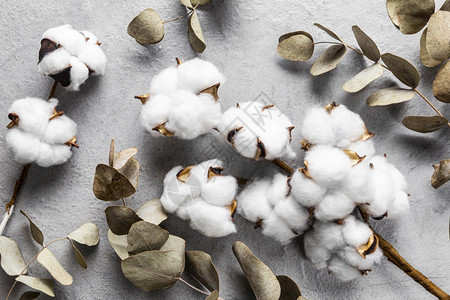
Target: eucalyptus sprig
(299, 46)
(148, 27)
(13, 264)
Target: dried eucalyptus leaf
(213, 296)
(119, 243)
(363, 78)
(110, 185)
(120, 218)
(445, 6)
(153, 270)
(441, 173)
(200, 2)
(29, 295)
(441, 84)
(111, 154)
(11, 257)
(402, 69)
(438, 36)
(424, 124)
(328, 60)
(131, 171)
(36, 233)
(177, 244)
(48, 260)
(426, 58)
(122, 157)
(152, 211)
(147, 28)
(296, 46)
(289, 289)
(41, 284)
(78, 256)
(367, 45)
(86, 234)
(389, 96)
(263, 282)
(410, 16)
(187, 3)
(329, 32)
(195, 33)
(200, 265)
(144, 236)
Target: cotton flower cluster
(349, 249)
(182, 101)
(257, 131)
(203, 196)
(70, 56)
(38, 133)
(269, 204)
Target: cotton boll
(363, 148)
(317, 127)
(334, 206)
(196, 75)
(211, 220)
(24, 145)
(55, 62)
(94, 58)
(352, 257)
(397, 178)
(275, 227)
(358, 186)
(295, 215)
(155, 112)
(383, 193)
(60, 130)
(165, 83)
(252, 201)
(79, 73)
(329, 235)
(347, 125)
(305, 190)
(64, 35)
(50, 155)
(245, 142)
(400, 206)
(220, 190)
(279, 189)
(355, 232)
(328, 166)
(90, 38)
(342, 270)
(231, 119)
(276, 140)
(33, 113)
(317, 254)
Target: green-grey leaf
(119, 243)
(41, 284)
(144, 236)
(147, 28)
(131, 171)
(441, 84)
(438, 36)
(195, 33)
(402, 69)
(152, 211)
(187, 3)
(87, 235)
(389, 96)
(367, 45)
(289, 289)
(30, 295)
(153, 270)
(110, 184)
(424, 124)
(329, 32)
(200, 265)
(36, 233)
(441, 173)
(11, 257)
(363, 78)
(120, 218)
(426, 58)
(410, 15)
(263, 282)
(213, 296)
(78, 256)
(177, 244)
(296, 46)
(48, 260)
(328, 60)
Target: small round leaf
(402, 69)
(120, 218)
(144, 236)
(410, 15)
(147, 28)
(389, 96)
(152, 211)
(110, 184)
(426, 58)
(424, 124)
(296, 46)
(367, 45)
(48, 260)
(441, 84)
(11, 257)
(328, 60)
(438, 36)
(41, 284)
(119, 243)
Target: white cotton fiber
(358, 185)
(67, 37)
(276, 228)
(305, 190)
(210, 220)
(363, 148)
(94, 58)
(295, 215)
(196, 75)
(78, 74)
(89, 37)
(355, 232)
(39, 136)
(220, 190)
(317, 127)
(329, 235)
(400, 206)
(165, 83)
(342, 270)
(253, 203)
(55, 63)
(317, 254)
(155, 112)
(348, 126)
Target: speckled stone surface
(241, 40)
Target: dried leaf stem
(195, 288)
(183, 16)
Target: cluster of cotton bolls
(257, 131)
(201, 195)
(182, 101)
(38, 133)
(70, 56)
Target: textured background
(241, 40)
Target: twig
(53, 90)
(195, 288)
(184, 16)
(283, 165)
(5, 219)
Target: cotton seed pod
(38, 133)
(202, 195)
(70, 56)
(183, 100)
(257, 131)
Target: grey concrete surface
(241, 40)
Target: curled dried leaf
(131, 171)
(111, 154)
(445, 6)
(36, 233)
(389, 96)
(424, 124)
(441, 173)
(367, 45)
(41, 284)
(200, 2)
(289, 289)
(410, 16)
(363, 78)
(110, 184)
(425, 57)
(195, 33)
(144, 236)
(441, 84)
(438, 36)
(187, 3)
(328, 59)
(329, 32)
(11, 257)
(201, 267)
(152, 211)
(147, 27)
(296, 46)
(122, 157)
(120, 218)
(87, 235)
(119, 243)
(48, 260)
(30, 295)
(78, 256)
(402, 69)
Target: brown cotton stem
(17, 186)
(53, 90)
(283, 165)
